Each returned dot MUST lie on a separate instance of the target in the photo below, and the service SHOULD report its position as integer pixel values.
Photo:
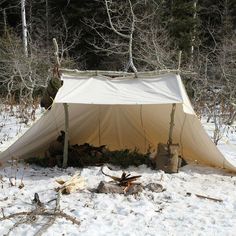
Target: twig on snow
(205, 197)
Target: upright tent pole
(172, 124)
(65, 105)
(65, 151)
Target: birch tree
(24, 28)
(133, 34)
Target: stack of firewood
(88, 155)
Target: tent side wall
(119, 127)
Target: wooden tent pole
(66, 141)
(65, 105)
(172, 119)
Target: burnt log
(56, 147)
(111, 187)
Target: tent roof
(121, 112)
(149, 89)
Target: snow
(227, 144)
(172, 212)
(13, 124)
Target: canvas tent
(121, 112)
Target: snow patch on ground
(227, 144)
(13, 125)
(171, 212)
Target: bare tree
(214, 89)
(126, 36)
(25, 74)
(138, 35)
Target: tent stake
(65, 151)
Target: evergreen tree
(182, 23)
(76, 12)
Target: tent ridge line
(119, 73)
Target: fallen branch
(205, 197)
(51, 220)
(46, 226)
(16, 225)
(46, 213)
(40, 210)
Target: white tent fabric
(121, 113)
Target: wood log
(76, 182)
(167, 158)
(55, 148)
(111, 187)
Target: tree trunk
(24, 28)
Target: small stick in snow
(57, 208)
(1, 180)
(205, 197)
(16, 170)
(11, 173)
(37, 201)
(22, 177)
(3, 214)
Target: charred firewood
(61, 137)
(56, 147)
(89, 149)
(124, 180)
(98, 151)
(112, 187)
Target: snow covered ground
(13, 123)
(172, 212)
(227, 143)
